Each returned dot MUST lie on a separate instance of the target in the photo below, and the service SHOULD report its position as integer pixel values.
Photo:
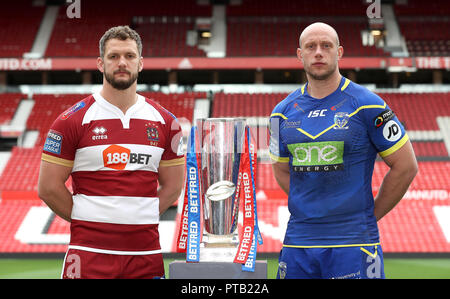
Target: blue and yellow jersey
(331, 145)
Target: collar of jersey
(342, 86)
(124, 117)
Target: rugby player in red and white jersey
(122, 151)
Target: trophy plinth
(219, 248)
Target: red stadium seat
(29, 17)
(8, 105)
(80, 37)
(419, 110)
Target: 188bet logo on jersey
(117, 157)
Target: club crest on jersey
(341, 120)
(152, 134)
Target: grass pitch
(395, 268)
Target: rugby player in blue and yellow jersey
(324, 139)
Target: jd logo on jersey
(117, 157)
(392, 131)
(317, 156)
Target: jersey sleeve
(61, 142)
(385, 130)
(277, 149)
(173, 151)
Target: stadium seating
(13, 213)
(285, 8)
(179, 104)
(432, 175)
(432, 149)
(245, 104)
(167, 37)
(272, 28)
(29, 18)
(8, 105)
(414, 16)
(80, 37)
(279, 36)
(257, 28)
(419, 110)
(436, 43)
(46, 109)
(422, 8)
(21, 172)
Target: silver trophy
(221, 141)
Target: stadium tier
(297, 8)
(180, 104)
(22, 169)
(46, 109)
(167, 37)
(417, 15)
(21, 172)
(8, 105)
(273, 36)
(422, 8)
(415, 225)
(433, 149)
(417, 110)
(29, 17)
(437, 43)
(162, 26)
(245, 104)
(253, 28)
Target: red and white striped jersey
(115, 159)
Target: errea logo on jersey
(99, 133)
(117, 157)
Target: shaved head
(320, 28)
(319, 50)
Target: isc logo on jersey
(117, 157)
(317, 156)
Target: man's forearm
(282, 175)
(394, 186)
(167, 196)
(59, 201)
(52, 189)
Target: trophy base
(219, 248)
(215, 270)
